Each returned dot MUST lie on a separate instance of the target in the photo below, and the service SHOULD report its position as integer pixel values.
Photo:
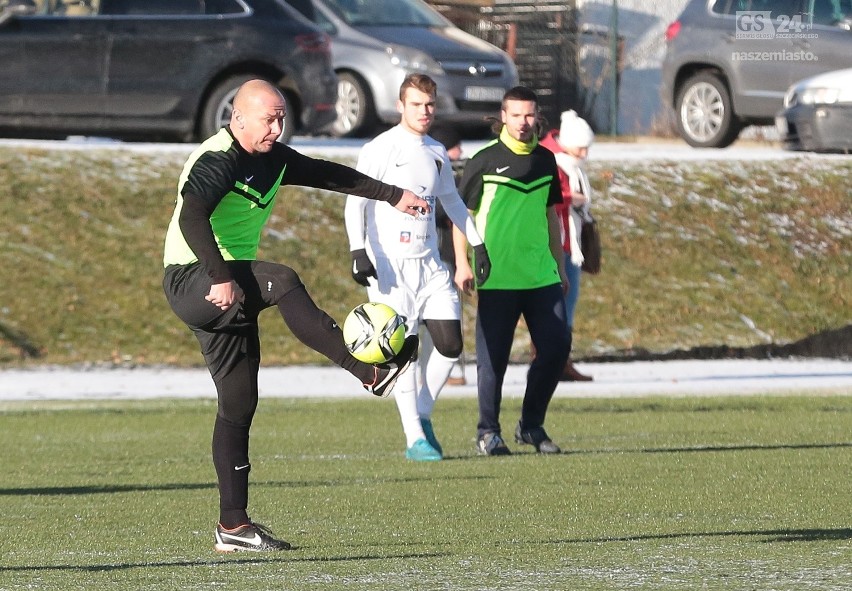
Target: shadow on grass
(101, 489)
(713, 448)
(125, 488)
(254, 560)
(773, 535)
(665, 450)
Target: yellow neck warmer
(518, 147)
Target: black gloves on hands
(482, 264)
(362, 267)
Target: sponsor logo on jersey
(405, 237)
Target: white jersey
(421, 165)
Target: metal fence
(569, 67)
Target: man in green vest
(511, 187)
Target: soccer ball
(373, 332)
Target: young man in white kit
(401, 255)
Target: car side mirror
(12, 8)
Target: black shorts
(226, 337)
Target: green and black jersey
(509, 194)
(237, 190)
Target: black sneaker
(387, 373)
(538, 438)
(491, 444)
(251, 538)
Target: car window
(67, 7)
(730, 7)
(224, 7)
(41, 6)
(169, 7)
(721, 7)
(321, 21)
(385, 13)
(829, 12)
(779, 7)
(776, 7)
(151, 7)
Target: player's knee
(447, 337)
(452, 348)
(289, 277)
(236, 412)
(276, 282)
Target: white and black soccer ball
(374, 332)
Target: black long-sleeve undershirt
(195, 225)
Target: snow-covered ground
(641, 150)
(621, 379)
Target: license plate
(781, 125)
(483, 93)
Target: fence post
(613, 56)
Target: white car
(817, 114)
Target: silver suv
(376, 43)
(729, 62)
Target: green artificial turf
(686, 493)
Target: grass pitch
(698, 493)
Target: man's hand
(224, 295)
(563, 278)
(412, 204)
(362, 267)
(464, 277)
(482, 264)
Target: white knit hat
(574, 132)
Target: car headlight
(791, 99)
(413, 60)
(819, 96)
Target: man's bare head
(258, 116)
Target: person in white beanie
(570, 144)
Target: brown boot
(570, 374)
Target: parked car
(159, 69)
(817, 114)
(376, 43)
(729, 63)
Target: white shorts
(417, 289)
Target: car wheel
(705, 118)
(354, 107)
(220, 105)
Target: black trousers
(497, 315)
(230, 344)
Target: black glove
(362, 267)
(482, 264)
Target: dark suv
(729, 62)
(155, 69)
